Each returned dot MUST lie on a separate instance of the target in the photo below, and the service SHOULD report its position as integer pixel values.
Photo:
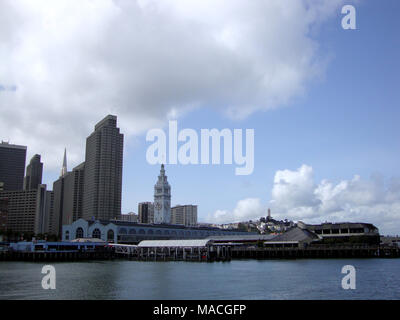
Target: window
(96, 234)
(150, 232)
(67, 235)
(110, 235)
(79, 233)
(122, 231)
(132, 231)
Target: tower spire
(64, 166)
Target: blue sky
(311, 143)
(344, 124)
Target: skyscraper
(103, 171)
(162, 199)
(146, 212)
(68, 196)
(3, 214)
(12, 166)
(26, 209)
(186, 215)
(34, 172)
(64, 169)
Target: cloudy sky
(323, 101)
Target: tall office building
(146, 212)
(3, 214)
(185, 215)
(12, 166)
(49, 225)
(26, 209)
(162, 199)
(103, 171)
(68, 196)
(34, 171)
(129, 217)
(64, 169)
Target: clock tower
(162, 199)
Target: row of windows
(110, 234)
(123, 231)
(95, 234)
(336, 231)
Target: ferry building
(131, 232)
(117, 231)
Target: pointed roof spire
(64, 166)
(162, 171)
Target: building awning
(174, 243)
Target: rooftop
(5, 144)
(174, 243)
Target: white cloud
(74, 62)
(246, 209)
(296, 196)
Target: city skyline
(325, 119)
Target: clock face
(158, 206)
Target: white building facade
(185, 215)
(131, 232)
(162, 199)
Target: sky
(322, 100)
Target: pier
(200, 250)
(55, 256)
(225, 252)
(204, 253)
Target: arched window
(122, 231)
(132, 231)
(67, 235)
(110, 235)
(79, 233)
(150, 232)
(96, 234)
(141, 231)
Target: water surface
(238, 279)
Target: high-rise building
(34, 172)
(129, 217)
(12, 166)
(185, 215)
(103, 171)
(26, 210)
(162, 199)
(146, 212)
(68, 196)
(64, 169)
(3, 214)
(50, 225)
